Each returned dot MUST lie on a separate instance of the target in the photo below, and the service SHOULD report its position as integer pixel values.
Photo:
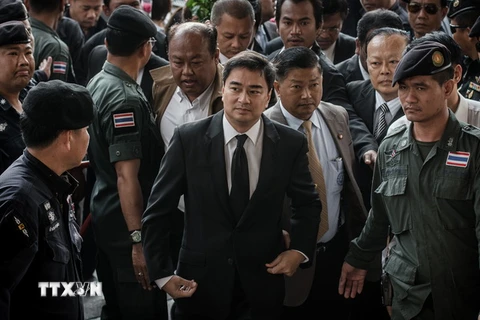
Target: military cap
(425, 59)
(475, 30)
(13, 32)
(59, 104)
(133, 22)
(457, 7)
(12, 10)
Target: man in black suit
(368, 97)
(336, 45)
(234, 169)
(355, 68)
(298, 22)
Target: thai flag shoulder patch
(458, 159)
(123, 120)
(59, 67)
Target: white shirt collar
(462, 110)
(229, 132)
(296, 123)
(393, 105)
(330, 52)
(223, 59)
(364, 72)
(202, 101)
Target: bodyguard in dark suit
(315, 288)
(384, 49)
(355, 68)
(298, 23)
(337, 46)
(234, 169)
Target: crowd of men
(287, 159)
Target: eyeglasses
(331, 30)
(430, 8)
(453, 28)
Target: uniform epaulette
(396, 130)
(470, 129)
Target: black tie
(240, 192)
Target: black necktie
(240, 192)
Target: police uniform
(11, 143)
(428, 193)
(123, 129)
(38, 231)
(48, 43)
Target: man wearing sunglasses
(462, 15)
(426, 16)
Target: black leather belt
(324, 246)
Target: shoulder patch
(474, 131)
(123, 121)
(59, 67)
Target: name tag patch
(458, 159)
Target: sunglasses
(453, 28)
(430, 8)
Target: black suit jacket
(213, 245)
(350, 69)
(344, 48)
(333, 81)
(98, 56)
(361, 114)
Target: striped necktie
(317, 175)
(382, 122)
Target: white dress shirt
(332, 165)
(330, 52)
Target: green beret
(13, 32)
(12, 10)
(133, 22)
(475, 30)
(425, 59)
(59, 104)
(457, 7)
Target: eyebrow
(301, 19)
(253, 86)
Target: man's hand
(285, 263)
(178, 287)
(140, 267)
(46, 66)
(351, 281)
(370, 157)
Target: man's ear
(357, 46)
(276, 86)
(448, 88)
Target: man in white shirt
(234, 169)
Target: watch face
(136, 236)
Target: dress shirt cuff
(162, 281)
(306, 258)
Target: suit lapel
(277, 115)
(367, 105)
(215, 144)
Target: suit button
(230, 261)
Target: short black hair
(239, 9)
(39, 6)
(295, 58)
(335, 6)
(160, 9)
(387, 31)
(208, 32)
(376, 19)
(252, 61)
(37, 136)
(317, 10)
(456, 54)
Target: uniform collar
(4, 104)
(57, 184)
(42, 26)
(119, 73)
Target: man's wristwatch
(136, 236)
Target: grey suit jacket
(298, 286)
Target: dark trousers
(124, 296)
(240, 308)
(324, 298)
